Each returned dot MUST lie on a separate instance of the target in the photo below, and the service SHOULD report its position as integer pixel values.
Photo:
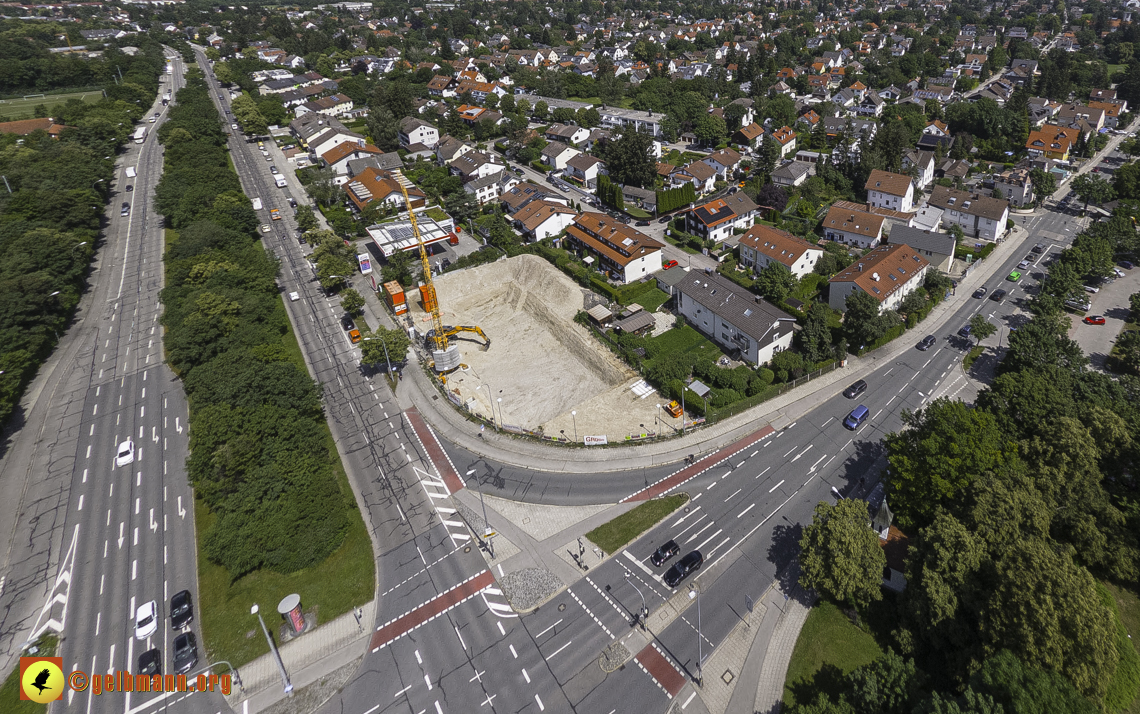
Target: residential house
(1016, 186)
(542, 219)
(623, 252)
(979, 216)
(792, 174)
(450, 148)
(871, 106)
(1112, 111)
(557, 155)
(785, 138)
(698, 173)
(1052, 142)
(521, 194)
(441, 86)
(338, 158)
(567, 134)
(415, 131)
(937, 248)
(738, 321)
(713, 220)
(750, 135)
(724, 162)
(853, 227)
(888, 190)
(888, 273)
(334, 106)
(374, 186)
(585, 169)
(475, 165)
(488, 188)
(763, 245)
(923, 163)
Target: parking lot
(1111, 302)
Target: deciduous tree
(841, 557)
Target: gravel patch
(530, 587)
(613, 657)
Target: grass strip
(617, 533)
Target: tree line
(51, 209)
(260, 454)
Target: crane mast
(431, 302)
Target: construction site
(532, 367)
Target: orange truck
(275, 213)
(394, 296)
(673, 408)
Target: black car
(998, 295)
(347, 323)
(181, 610)
(665, 219)
(927, 342)
(980, 292)
(965, 331)
(185, 652)
(855, 389)
(130, 187)
(683, 568)
(665, 552)
(1038, 248)
(292, 202)
(643, 223)
(150, 662)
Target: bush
(767, 376)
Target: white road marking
(746, 510)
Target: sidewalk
(324, 656)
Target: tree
(383, 129)
(1126, 181)
(841, 557)
(815, 338)
(885, 686)
(1022, 689)
(247, 114)
(372, 347)
(1128, 349)
(775, 281)
(710, 129)
(772, 196)
(628, 159)
(981, 328)
(306, 219)
(1044, 183)
(940, 451)
(1092, 188)
(863, 321)
(352, 302)
(540, 109)
(1041, 342)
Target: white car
(146, 620)
(1023, 265)
(294, 297)
(126, 453)
(265, 228)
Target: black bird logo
(41, 680)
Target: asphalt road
(128, 532)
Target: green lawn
(974, 353)
(686, 339)
(13, 109)
(636, 212)
(613, 535)
(652, 299)
(1128, 603)
(10, 689)
(829, 647)
(346, 580)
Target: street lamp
(643, 616)
(276, 655)
(500, 400)
(574, 416)
(97, 182)
(695, 592)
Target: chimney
(860, 267)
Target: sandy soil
(541, 364)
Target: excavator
(446, 357)
(450, 331)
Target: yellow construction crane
(446, 356)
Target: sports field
(24, 108)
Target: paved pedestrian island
(656, 665)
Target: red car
(1094, 320)
(669, 264)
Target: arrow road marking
(802, 453)
(181, 510)
(153, 524)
